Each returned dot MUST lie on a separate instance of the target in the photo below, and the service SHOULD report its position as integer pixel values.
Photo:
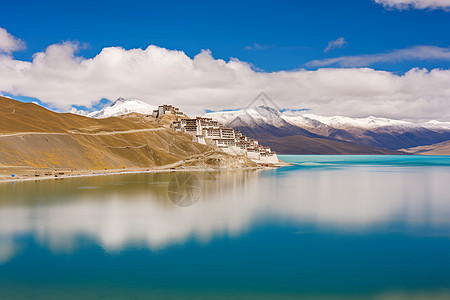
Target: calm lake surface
(328, 227)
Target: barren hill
(34, 137)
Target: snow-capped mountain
(373, 131)
(261, 120)
(119, 107)
(268, 115)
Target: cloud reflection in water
(135, 210)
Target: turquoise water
(327, 227)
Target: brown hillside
(32, 136)
(29, 117)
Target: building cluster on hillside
(209, 131)
(167, 110)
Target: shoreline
(92, 173)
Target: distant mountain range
(299, 132)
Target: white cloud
(417, 4)
(155, 75)
(413, 53)
(9, 43)
(257, 46)
(339, 43)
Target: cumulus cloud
(62, 78)
(339, 43)
(413, 53)
(416, 4)
(9, 43)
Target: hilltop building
(209, 131)
(167, 110)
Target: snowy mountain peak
(119, 107)
(121, 99)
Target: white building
(209, 131)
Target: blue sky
(290, 33)
(270, 36)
